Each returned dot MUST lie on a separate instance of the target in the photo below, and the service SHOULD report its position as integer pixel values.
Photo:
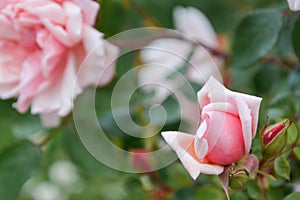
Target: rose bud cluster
(228, 125)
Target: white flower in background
(163, 57)
(294, 5)
(173, 53)
(296, 187)
(47, 191)
(64, 173)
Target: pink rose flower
(228, 125)
(42, 46)
(294, 5)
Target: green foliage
(296, 151)
(209, 193)
(185, 193)
(292, 134)
(282, 167)
(254, 190)
(293, 196)
(18, 163)
(296, 39)
(255, 36)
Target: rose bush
(228, 124)
(42, 46)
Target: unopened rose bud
(273, 138)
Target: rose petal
(58, 96)
(201, 148)
(182, 143)
(203, 65)
(221, 106)
(9, 90)
(246, 120)
(253, 103)
(202, 129)
(50, 119)
(58, 32)
(51, 11)
(198, 28)
(294, 5)
(74, 21)
(212, 91)
(170, 52)
(90, 10)
(7, 31)
(52, 54)
(215, 121)
(98, 67)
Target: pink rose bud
(228, 125)
(273, 138)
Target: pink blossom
(228, 125)
(42, 46)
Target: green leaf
(294, 81)
(238, 195)
(282, 106)
(18, 163)
(26, 125)
(292, 134)
(282, 167)
(210, 193)
(275, 194)
(293, 196)
(111, 18)
(79, 155)
(255, 36)
(187, 194)
(296, 151)
(266, 78)
(296, 38)
(254, 191)
(109, 125)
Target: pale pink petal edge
(180, 142)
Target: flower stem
(54, 131)
(50, 135)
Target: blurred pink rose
(228, 125)
(42, 46)
(294, 5)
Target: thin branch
(53, 132)
(138, 43)
(281, 62)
